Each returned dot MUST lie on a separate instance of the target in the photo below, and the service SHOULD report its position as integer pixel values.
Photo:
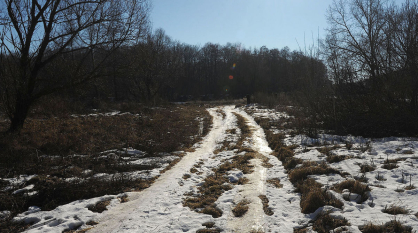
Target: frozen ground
(159, 208)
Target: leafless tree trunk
(37, 34)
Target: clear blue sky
(253, 23)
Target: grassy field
(63, 156)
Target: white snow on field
(388, 190)
(160, 207)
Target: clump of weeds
(241, 208)
(324, 223)
(389, 227)
(395, 210)
(354, 186)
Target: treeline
(161, 69)
(361, 79)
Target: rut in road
(160, 207)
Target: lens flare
(231, 77)
(233, 66)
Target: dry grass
(172, 163)
(389, 227)
(212, 210)
(209, 230)
(326, 150)
(100, 206)
(310, 168)
(61, 134)
(241, 208)
(395, 210)
(366, 168)
(208, 224)
(214, 185)
(243, 180)
(380, 177)
(353, 186)
(300, 230)
(245, 131)
(275, 182)
(324, 223)
(211, 189)
(265, 163)
(222, 113)
(410, 187)
(150, 131)
(275, 140)
(263, 122)
(336, 158)
(312, 200)
(389, 166)
(266, 208)
(313, 197)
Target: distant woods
(159, 68)
(361, 79)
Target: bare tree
(41, 39)
(358, 30)
(404, 25)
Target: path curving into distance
(160, 207)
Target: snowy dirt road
(233, 182)
(160, 207)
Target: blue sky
(253, 23)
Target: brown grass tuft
(324, 223)
(266, 208)
(212, 210)
(353, 186)
(100, 206)
(314, 197)
(300, 230)
(410, 187)
(310, 168)
(275, 182)
(366, 168)
(241, 208)
(336, 158)
(389, 166)
(312, 200)
(395, 210)
(172, 163)
(389, 227)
